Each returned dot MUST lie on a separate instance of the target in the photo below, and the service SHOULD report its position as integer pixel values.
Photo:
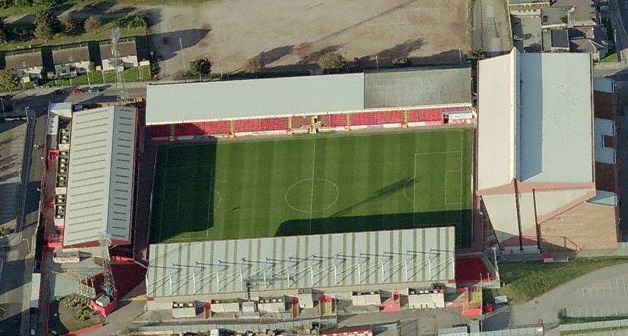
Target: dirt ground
(290, 35)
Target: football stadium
(297, 190)
(313, 184)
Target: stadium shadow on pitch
(191, 213)
(461, 219)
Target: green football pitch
(313, 185)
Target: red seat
(337, 120)
(159, 131)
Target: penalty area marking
(412, 199)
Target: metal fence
(536, 331)
(253, 326)
(594, 325)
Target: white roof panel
(283, 263)
(190, 102)
(100, 180)
(496, 122)
(555, 117)
(536, 113)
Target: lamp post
(494, 248)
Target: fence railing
(594, 325)
(253, 326)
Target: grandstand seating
(300, 121)
(337, 120)
(432, 114)
(471, 269)
(203, 128)
(160, 131)
(358, 118)
(266, 124)
(364, 118)
(390, 117)
(325, 120)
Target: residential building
(527, 7)
(556, 40)
(127, 54)
(26, 64)
(568, 17)
(70, 61)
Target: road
(491, 31)
(619, 17)
(600, 293)
(17, 267)
(38, 99)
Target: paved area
(289, 34)
(491, 31)
(429, 321)
(600, 293)
(619, 17)
(12, 139)
(17, 268)
(622, 154)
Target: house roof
(555, 16)
(203, 101)
(174, 270)
(23, 59)
(70, 54)
(126, 47)
(100, 181)
(555, 38)
(560, 38)
(518, 2)
(584, 46)
(537, 117)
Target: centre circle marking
(309, 182)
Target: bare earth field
(293, 34)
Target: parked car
(76, 91)
(95, 89)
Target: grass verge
(525, 281)
(97, 77)
(103, 33)
(588, 331)
(573, 320)
(82, 4)
(611, 58)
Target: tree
(4, 34)
(92, 23)
(46, 24)
(254, 65)
(331, 61)
(401, 62)
(138, 21)
(200, 67)
(8, 80)
(23, 3)
(48, 3)
(69, 24)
